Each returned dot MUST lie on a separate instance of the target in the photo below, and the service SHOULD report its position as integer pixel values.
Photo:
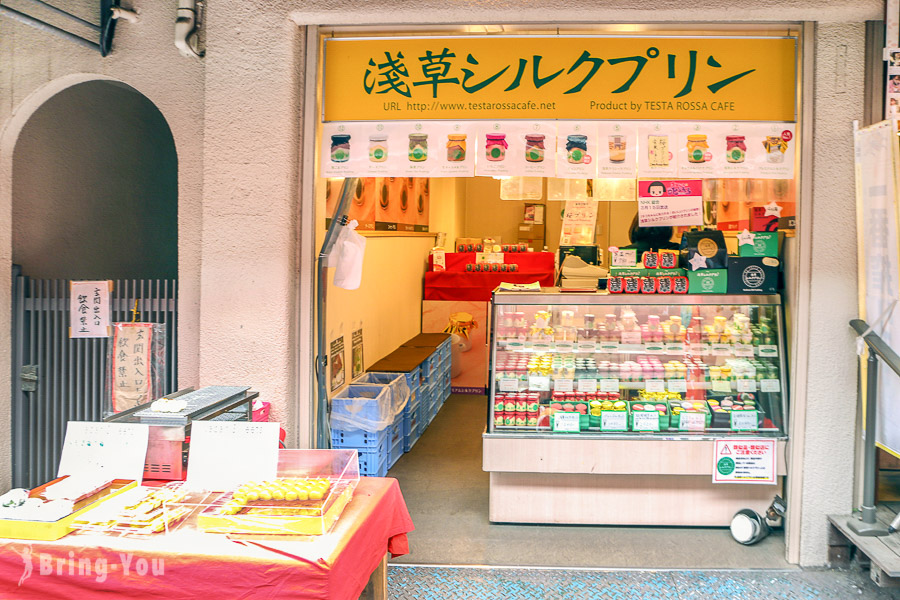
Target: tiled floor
(462, 583)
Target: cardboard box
(534, 213)
(752, 275)
(708, 281)
(639, 272)
(765, 243)
(531, 231)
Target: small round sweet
(291, 495)
(686, 405)
(239, 499)
(619, 405)
(661, 407)
(252, 495)
(265, 494)
(316, 495)
(302, 494)
(637, 407)
(278, 495)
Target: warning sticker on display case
(744, 461)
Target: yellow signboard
(531, 77)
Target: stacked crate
(408, 362)
(363, 418)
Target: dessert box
(650, 406)
(722, 409)
(677, 408)
(53, 530)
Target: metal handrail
(877, 345)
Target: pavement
(428, 582)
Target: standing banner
(877, 167)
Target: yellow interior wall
(489, 216)
(388, 303)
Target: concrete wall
(95, 188)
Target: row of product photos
(575, 150)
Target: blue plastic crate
(423, 409)
(412, 377)
(362, 407)
(412, 438)
(373, 464)
(358, 438)
(410, 417)
(396, 452)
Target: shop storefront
(667, 392)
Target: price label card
(720, 349)
(770, 385)
(689, 421)
(675, 348)
(566, 421)
(700, 349)
(721, 386)
(514, 345)
(743, 350)
(587, 346)
(116, 450)
(509, 385)
(539, 383)
(609, 385)
(226, 454)
(768, 350)
(564, 385)
(631, 337)
(612, 347)
(654, 348)
(540, 346)
(565, 346)
(678, 386)
(614, 420)
(745, 420)
(645, 421)
(655, 385)
(587, 385)
(746, 385)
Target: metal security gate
(56, 379)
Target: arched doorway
(89, 172)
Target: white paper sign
(655, 386)
(745, 420)
(538, 383)
(509, 385)
(678, 386)
(689, 421)
(746, 385)
(610, 347)
(654, 348)
(632, 337)
(617, 149)
(609, 385)
(770, 385)
(695, 155)
(90, 312)
(665, 202)
(675, 348)
(657, 142)
(744, 461)
(768, 350)
(624, 257)
(587, 346)
(614, 420)
(721, 349)
(587, 385)
(566, 421)
(116, 449)
(579, 223)
(563, 385)
(645, 421)
(721, 385)
(699, 349)
(226, 454)
(743, 350)
(565, 347)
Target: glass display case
(663, 366)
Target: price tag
(587, 385)
(678, 386)
(746, 385)
(721, 386)
(587, 346)
(609, 385)
(745, 420)
(612, 347)
(768, 350)
(675, 348)
(721, 349)
(690, 421)
(655, 385)
(540, 346)
(700, 349)
(514, 345)
(564, 385)
(631, 337)
(565, 346)
(743, 350)
(566, 421)
(770, 385)
(645, 421)
(539, 383)
(654, 348)
(509, 385)
(614, 420)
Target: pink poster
(466, 322)
(670, 202)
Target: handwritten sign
(131, 365)
(664, 203)
(90, 313)
(116, 449)
(226, 454)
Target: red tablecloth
(193, 564)
(458, 284)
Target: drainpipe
(186, 28)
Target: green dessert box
(677, 408)
(708, 281)
(764, 243)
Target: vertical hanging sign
(89, 309)
(358, 363)
(337, 363)
(131, 365)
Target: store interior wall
(37, 66)
(95, 192)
